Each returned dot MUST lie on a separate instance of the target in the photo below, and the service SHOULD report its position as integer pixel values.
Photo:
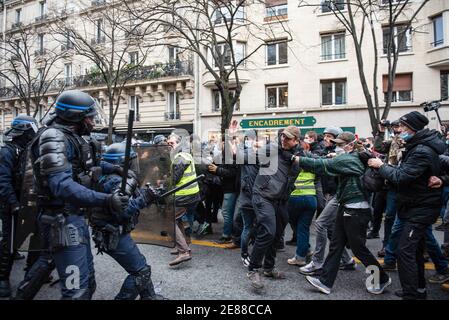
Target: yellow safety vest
(189, 175)
(305, 184)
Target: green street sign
(277, 122)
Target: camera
(431, 106)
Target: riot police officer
(63, 166)
(23, 129)
(111, 233)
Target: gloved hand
(150, 194)
(117, 203)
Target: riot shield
(27, 236)
(157, 222)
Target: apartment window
(42, 8)
(40, 74)
(402, 87)
(240, 52)
(17, 48)
(385, 2)
(277, 53)
(445, 85)
(402, 38)
(276, 8)
(15, 112)
(173, 54)
(333, 92)
(173, 106)
(18, 15)
(438, 31)
(333, 46)
(223, 53)
(134, 57)
(224, 14)
(68, 74)
(332, 5)
(277, 96)
(134, 104)
(99, 30)
(40, 112)
(40, 42)
(217, 102)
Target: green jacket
(347, 168)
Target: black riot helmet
(75, 105)
(22, 125)
(115, 154)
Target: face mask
(405, 136)
(339, 150)
(307, 141)
(447, 142)
(248, 144)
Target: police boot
(37, 276)
(92, 286)
(150, 294)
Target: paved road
(217, 273)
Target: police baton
(127, 150)
(200, 177)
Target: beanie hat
(414, 120)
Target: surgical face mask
(248, 144)
(406, 136)
(447, 142)
(308, 141)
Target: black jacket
(276, 178)
(415, 200)
(248, 173)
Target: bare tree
(209, 29)
(359, 17)
(105, 35)
(28, 69)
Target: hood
(430, 138)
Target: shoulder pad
(52, 152)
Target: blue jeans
(301, 210)
(445, 199)
(390, 215)
(189, 217)
(248, 217)
(433, 248)
(227, 210)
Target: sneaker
(421, 294)
(445, 287)
(379, 290)
(310, 269)
(202, 229)
(317, 284)
(372, 235)
(280, 247)
(174, 252)
(439, 277)
(389, 266)
(381, 253)
(224, 240)
(18, 256)
(233, 245)
(275, 274)
(245, 261)
(254, 277)
(348, 266)
(297, 261)
(182, 257)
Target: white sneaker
(297, 261)
(379, 290)
(309, 269)
(317, 284)
(245, 261)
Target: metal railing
(41, 18)
(16, 25)
(40, 52)
(172, 116)
(66, 47)
(95, 3)
(142, 73)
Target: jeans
(227, 210)
(379, 204)
(324, 226)
(390, 215)
(445, 212)
(248, 217)
(302, 209)
(350, 228)
(189, 217)
(433, 248)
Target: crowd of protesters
(341, 187)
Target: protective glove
(117, 203)
(150, 194)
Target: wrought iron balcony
(42, 18)
(96, 3)
(67, 46)
(16, 25)
(172, 116)
(98, 40)
(40, 52)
